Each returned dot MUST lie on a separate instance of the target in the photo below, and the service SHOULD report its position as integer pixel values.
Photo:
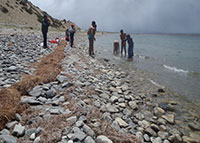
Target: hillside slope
(24, 13)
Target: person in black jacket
(45, 25)
(72, 32)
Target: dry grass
(46, 71)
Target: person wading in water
(91, 37)
(45, 25)
(123, 42)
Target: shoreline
(91, 95)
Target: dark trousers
(45, 39)
(91, 48)
(71, 42)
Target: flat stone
(71, 120)
(121, 122)
(7, 139)
(157, 140)
(114, 99)
(51, 93)
(112, 108)
(115, 126)
(194, 126)
(5, 132)
(89, 139)
(133, 105)
(150, 132)
(19, 130)
(88, 130)
(103, 139)
(11, 124)
(12, 68)
(36, 91)
(61, 78)
(67, 85)
(29, 132)
(42, 99)
(169, 118)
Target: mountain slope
(24, 13)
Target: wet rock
(103, 139)
(89, 139)
(19, 130)
(194, 126)
(7, 139)
(169, 118)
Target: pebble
(19, 130)
(103, 139)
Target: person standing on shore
(72, 32)
(123, 42)
(130, 47)
(91, 37)
(45, 25)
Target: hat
(72, 25)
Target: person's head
(128, 36)
(45, 16)
(121, 31)
(94, 24)
(72, 25)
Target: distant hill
(24, 13)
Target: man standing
(72, 32)
(91, 37)
(123, 42)
(45, 25)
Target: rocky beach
(91, 100)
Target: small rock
(88, 130)
(166, 141)
(11, 124)
(139, 136)
(111, 108)
(18, 117)
(19, 130)
(115, 126)
(5, 132)
(146, 137)
(169, 118)
(36, 91)
(89, 139)
(37, 140)
(7, 139)
(12, 68)
(103, 139)
(194, 126)
(121, 122)
(133, 105)
(51, 93)
(29, 132)
(114, 99)
(157, 140)
(32, 137)
(150, 132)
(61, 78)
(71, 120)
(163, 135)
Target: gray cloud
(170, 16)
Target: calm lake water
(172, 60)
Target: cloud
(169, 16)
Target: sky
(134, 16)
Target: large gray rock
(19, 130)
(89, 139)
(103, 139)
(7, 139)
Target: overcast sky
(170, 16)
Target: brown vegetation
(47, 70)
